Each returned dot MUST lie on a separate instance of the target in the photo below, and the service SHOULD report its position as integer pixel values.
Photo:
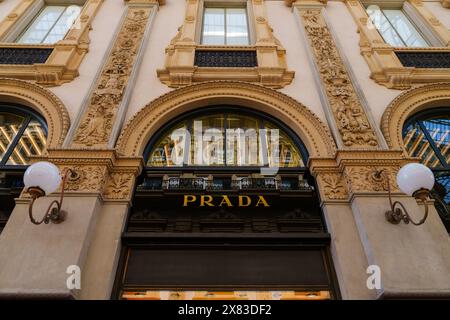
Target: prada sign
(224, 201)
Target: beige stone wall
(353, 202)
(101, 35)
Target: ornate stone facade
(66, 55)
(351, 120)
(96, 125)
(271, 69)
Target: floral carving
(97, 122)
(333, 186)
(367, 179)
(351, 120)
(118, 186)
(85, 178)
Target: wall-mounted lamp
(41, 179)
(415, 180)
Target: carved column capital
(96, 172)
(353, 173)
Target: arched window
(427, 136)
(204, 181)
(228, 138)
(22, 134)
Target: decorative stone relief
(334, 187)
(85, 178)
(119, 186)
(97, 122)
(64, 57)
(182, 69)
(365, 179)
(352, 123)
(382, 59)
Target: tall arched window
(427, 136)
(225, 138)
(203, 185)
(22, 134)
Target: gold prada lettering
(187, 199)
(263, 201)
(241, 201)
(203, 201)
(224, 201)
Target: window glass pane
(405, 28)
(237, 31)
(243, 141)
(42, 24)
(31, 143)
(439, 129)
(59, 30)
(9, 125)
(442, 187)
(207, 141)
(214, 26)
(289, 155)
(384, 27)
(169, 148)
(417, 145)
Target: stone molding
(386, 69)
(63, 63)
(409, 103)
(179, 69)
(99, 172)
(42, 101)
(136, 133)
(351, 173)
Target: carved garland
(133, 137)
(350, 117)
(97, 122)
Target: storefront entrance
(224, 230)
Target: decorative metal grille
(227, 59)
(424, 59)
(24, 55)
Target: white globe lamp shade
(44, 175)
(413, 177)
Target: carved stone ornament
(119, 186)
(97, 122)
(61, 62)
(350, 117)
(334, 187)
(85, 178)
(365, 179)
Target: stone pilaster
(413, 260)
(346, 114)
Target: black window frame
(418, 119)
(224, 109)
(28, 115)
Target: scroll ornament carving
(97, 123)
(119, 186)
(333, 186)
(351, 120)
(364, 179)
(85, 178)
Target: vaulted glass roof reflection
(225, 139)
